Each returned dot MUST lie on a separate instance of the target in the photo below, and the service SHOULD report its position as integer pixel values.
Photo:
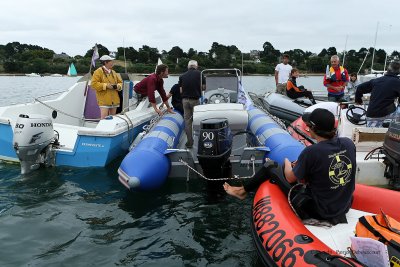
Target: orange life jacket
(384, 229)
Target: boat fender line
(235, 177)
(146, 166)
(281, 144)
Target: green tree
(100, 48)
(191, 53)
(332, 51)
(174, 53)
(270, 54)
(316, 64)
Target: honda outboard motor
(33, 137)
(214, 149)
(391, 149)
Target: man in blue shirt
(384, 92)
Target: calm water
(21, 89)
(85, 217)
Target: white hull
(83, 142)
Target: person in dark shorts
(327, 169)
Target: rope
(220, 179)
(62, 112)
(128, 122)
(289, 199)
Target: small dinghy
(231, 136)
(284, 107)
(282, 239)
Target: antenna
(373, 54)
(123, 45)
(344, 51)
(242, 63)
(386, 58)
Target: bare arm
(156, 109)
(276, 77)
(288, 170)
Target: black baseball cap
(321, 119)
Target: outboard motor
(214, 149)
(391, 149)
(33, 137)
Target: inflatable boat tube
(146, 167)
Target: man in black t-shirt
(192, 83)
(327, 168)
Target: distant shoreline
(171, 74)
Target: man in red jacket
(336, 80)
(152, 83)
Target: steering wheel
(217, 98)
(356, 118)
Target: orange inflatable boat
(282, 239)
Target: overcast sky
(74, 26)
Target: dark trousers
(292, 94)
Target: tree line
(25, 58)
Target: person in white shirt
(282, 73)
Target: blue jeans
(337, 98)
(378, 122)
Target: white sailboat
(32, 74)
(72, 70)
(373, 73)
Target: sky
(74, 26)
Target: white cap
(106, 58)
(192, 63)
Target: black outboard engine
(214, 149)
(391, 149)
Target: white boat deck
(338, 237)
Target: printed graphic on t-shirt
(340, 169)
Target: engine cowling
(215, 145)
(33, 135)
(391, 148)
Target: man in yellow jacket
(106, 82)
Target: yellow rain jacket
(100, 79)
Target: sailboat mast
(344, 52)
(373, 54)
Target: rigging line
(344, 51)
(220, 179)
(373, 54)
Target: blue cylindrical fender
(146, 166)
(281, 144)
